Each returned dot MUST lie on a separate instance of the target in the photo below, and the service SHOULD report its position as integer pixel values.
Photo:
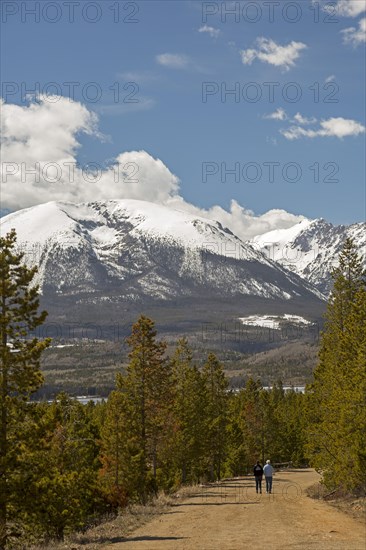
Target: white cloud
(44, 130)
(43, 137)
(274, 54)
(173, 60)
(341, 127)
(303, 120)
(345, 8)
(214, 33)
(333, 127)
(241, 221)
(354, 36)
(330, 78)
(46, 133)
(279, 114)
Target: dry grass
(349, 504)
(116, 529)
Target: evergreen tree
(236, 459)
(270, 425)
(116, 465)
(19, 363)
(147, 397)
(59, 470)
(216, 429)
(274, 422)
(264, 424)
(189, 414)
(286, 425)
(336, 399)
(253, 422)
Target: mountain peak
(141, 249)
(310, 248)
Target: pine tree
(236, 460)
(148, 396)
(60, 471)
(116, 464)
(20, 362)
(286, 425)
(188, 414)
(217, 400)
(337, 397)
(253, 422)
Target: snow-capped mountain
(311, 248)
(132, 251)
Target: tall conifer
(337, 397)
(20, 373)
(216, 416)
(147, 398)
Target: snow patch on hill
(273, 321)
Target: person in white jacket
(268, 474)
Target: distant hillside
(311, 248)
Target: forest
(64, 465)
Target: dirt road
(231, 516)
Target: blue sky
(318, 139)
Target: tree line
(64, 465)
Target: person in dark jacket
(258, 475)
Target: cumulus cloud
(346, 8)
(279, 114)
(44, 130)
(333, 127)
(39, 164)
(241, 221)
(303, 120)
(173, 60)
(269, 52)
(355, 36)
(214, 33)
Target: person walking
(258, 475)
(268, 474)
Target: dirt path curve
(231, 516)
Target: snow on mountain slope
(137, 249)
(64, 221)
(38, 223)
(311, 248)
(273, 321)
